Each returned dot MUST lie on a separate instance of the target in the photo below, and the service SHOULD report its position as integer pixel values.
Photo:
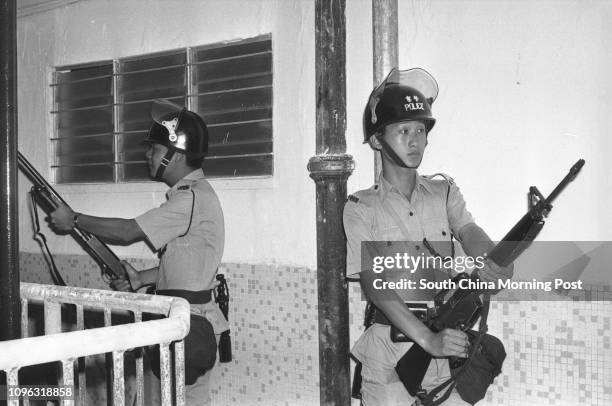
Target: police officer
(406, 206)
(188, 232)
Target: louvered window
(102, 110)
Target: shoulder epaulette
(183, 187)
(353, 198)
(450, 180)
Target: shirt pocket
(388, 232)
(438, 235)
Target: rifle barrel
(35, 176)
(567, 179)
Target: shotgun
(43, 194)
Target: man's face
(408, 139)
(154, 155)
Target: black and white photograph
(305, 202)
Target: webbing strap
(42, 240)
(428, 399)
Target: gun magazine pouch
(484, 365)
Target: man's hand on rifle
(63, 218)
(448, 343)
(123, 284)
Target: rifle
(463, 308)
(43, 194)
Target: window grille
(102, 110)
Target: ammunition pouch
(475, 375)
(200, 343)
(473, 378)
(200, 350)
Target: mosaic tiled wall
(559, 352)
(273, 326)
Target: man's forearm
(148, 276)
(111, 229)
(474, 240)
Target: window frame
(190, 99)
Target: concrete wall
(524, 93)
(268, 220)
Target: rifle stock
(464, 306)
(49, 199)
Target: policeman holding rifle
(406, 206)
(188, 232)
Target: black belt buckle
(420, 311)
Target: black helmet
(178, 129)
(402, 96)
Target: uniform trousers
(380, 384)
(197, 394)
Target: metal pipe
(330, 169)
(164, 374)
(68, 380)
(384, 47)
(10, 305)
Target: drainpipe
(330, 169)
(10, 304)
(384, 44)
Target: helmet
(402, 96)
(178, 129)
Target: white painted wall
(267, 220)
(525, 91)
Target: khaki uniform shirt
(189, 230)
(435, 211)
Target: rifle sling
(450, 383)
(40, 237)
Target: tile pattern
(559, 352)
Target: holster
(225, 347)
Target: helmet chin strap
(393, 155)
(163, 164)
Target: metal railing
(70, 347)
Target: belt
(192, 296)
(417, 308)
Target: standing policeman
(405, 206)
(188, 232)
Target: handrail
(93, 297)
(67, 347)
(55, 347)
